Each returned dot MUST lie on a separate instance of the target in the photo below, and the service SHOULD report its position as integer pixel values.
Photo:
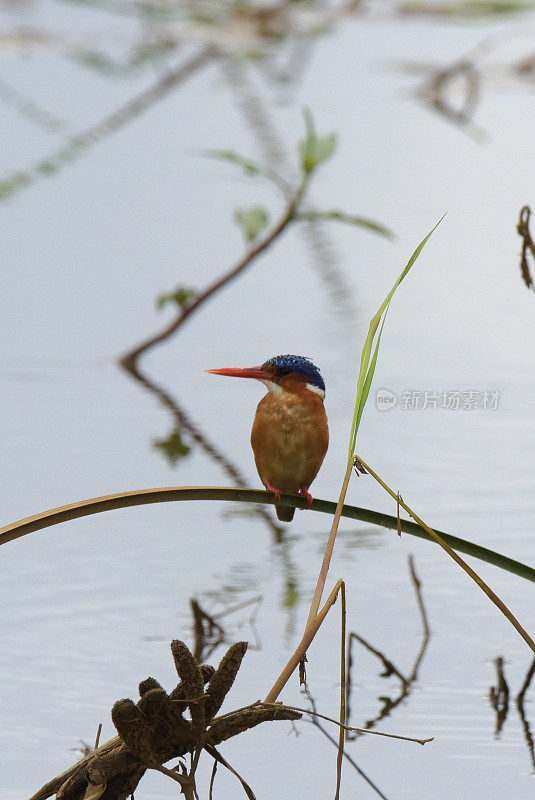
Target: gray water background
(88, 608)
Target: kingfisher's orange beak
(243, 372)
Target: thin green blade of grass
(368, 361)
(369, 375)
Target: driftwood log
(162, 726)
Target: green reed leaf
(368, 361)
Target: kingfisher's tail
(285, 513)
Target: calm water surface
(89, 607)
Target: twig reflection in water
(499, 700)
(78, 144)
(314, 720)
(389, 704)
(499, 697)
(208, 633)
(183, 422)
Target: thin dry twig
(304, 644)
(185, 783)
(528, 245)
(97, 737)
(344, 727)
(218, 759)
(212, 779)
(322, 577)
(341, 738)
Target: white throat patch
(273, 387)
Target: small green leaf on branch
(252, 221)
(349, 219)
(181, 296)
(314, 149)
(249, 167)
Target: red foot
(276, 492)
(303, 491)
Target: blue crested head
(284, 365)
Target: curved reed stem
(96, 505)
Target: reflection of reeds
(499, 696)
(349, 732)
(528, 736)
(184, 422)
(436, 93)
(79, 144)
(209, 633)
(30, 110)
(389, 669)
(314, 150)
(463, 9)
(315, 720)
(499, 701)
(232, 33)
(225, 30)
(129, 359)
(454, 90)
(274, 151)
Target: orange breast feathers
(289, 438)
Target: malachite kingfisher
(290, 435)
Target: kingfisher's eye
(268, 366)
(281, 371)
